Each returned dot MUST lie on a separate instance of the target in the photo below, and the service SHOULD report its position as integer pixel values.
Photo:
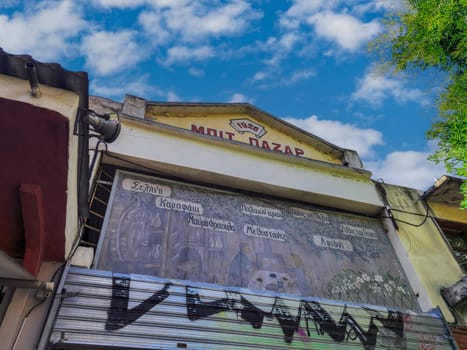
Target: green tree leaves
(433, 34)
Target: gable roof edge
(136, 106)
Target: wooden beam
(32, 208)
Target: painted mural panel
(122, 311)
(162, 228)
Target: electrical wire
(425, 216)
(43, 300)
(412, 213)
(34, 307)
(407, 222)
(395, 220)
(96, 152)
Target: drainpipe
(83, 165)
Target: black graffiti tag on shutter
(119, 315)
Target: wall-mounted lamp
(107, 129)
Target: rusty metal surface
(460, 334)
(101, 309)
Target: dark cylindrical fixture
(33, 80)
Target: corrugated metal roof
(117, 311)
(51, 74)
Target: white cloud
(280, 47)
(136, 3)
(303, 74)
(196, 72)
(348, 32)
(273, 76)
(169, 3)
(172, 96)
(119, 3)
(9, 3)
(118, 88)
(287, 41)
(153, 23)
(47, 31)
(300, 10)
(376, 86)
(183, 54)
(110, 52)
(337, 22)
(229, 19)
(259, 76)
(196, 21)
(406, 168)
(343, 135)
(378, 6)
(238, 98)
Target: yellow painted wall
(424, 245)
(450, 213)
(220, 126)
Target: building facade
(220, 226)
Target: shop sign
(241, 126)
(171, 229)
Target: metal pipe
(17, 283)
(33, 80)
(83, 165)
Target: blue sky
(304, 61)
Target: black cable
(389, 210)
(96, 152)
(43, 300)
(405, 222)
(425, 217)
(411, 213)
(33, 308)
